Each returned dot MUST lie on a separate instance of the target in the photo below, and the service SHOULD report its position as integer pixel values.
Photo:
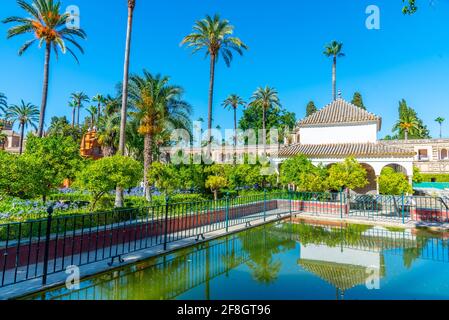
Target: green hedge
(438, 177)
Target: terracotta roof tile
(343, 150)
(340, 111)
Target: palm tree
(26, 114)
(333, 50)
(3, 102)
(407, 124)
(124, 110)
(156, 106)
(100, 100)
(93, 111)
(265, 99)
(108, 133)
(79, 98)
(73, 105)
(112, 105)
(48, 26)
(232, 103)
(214, 35)
(440, 121)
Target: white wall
(361, 133)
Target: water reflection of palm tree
(261, 244)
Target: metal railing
(38, 248)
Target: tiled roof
(340, 111)
(343, 150)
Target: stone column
(377, 185)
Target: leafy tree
(265, 98)
(410, 7)
(61, 127)
(334, 50)
(26, 114)
(394, 183)
(300, 172)
(440, 121)
(409, 125)
(57, 159)
(156, 106)
(164, 177)
(215, 183)
(79, 98)
(47, 24)
(417, 175)
(102, 176)
(311, 109)
(232, 103)
(357, 100)
(108, 133)
(348, 174)
(276, 118)
(100, 100)
(215, 36)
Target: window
(444, 155)
(423, 155)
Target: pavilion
(341, 130)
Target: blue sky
(407, 58)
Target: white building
(341, 130)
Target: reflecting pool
(288, 260)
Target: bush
(394, 183)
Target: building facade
(341, 130)
(431, 155)
(12, 141)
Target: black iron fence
(38, 248)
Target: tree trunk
(22, 130)
(406, 135)
(147, 161)
(73, 116)
(334, 79)
(40, 132)
(264, 133)
(441, 131)
(99, 111)
(210, 106)
(216, 195)
(124, 112)
(235, 135)
(78, 114)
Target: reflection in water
(341, 256)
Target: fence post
(227, 212)
(265, 205)
(290, 199)
(403, 209)
(47, 245)
(341, 204)
(167, 199)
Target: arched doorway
(371, 187)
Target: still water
(286, 261)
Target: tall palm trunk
(99, 111)
(441, 130)
(147, 161)
(22, 132)
(73, 117)
(78, 114)
(235, 134)
(334, 79)
(406, 135)
(211, 101)
(124, 112)
(264, 133)
(40, 132)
